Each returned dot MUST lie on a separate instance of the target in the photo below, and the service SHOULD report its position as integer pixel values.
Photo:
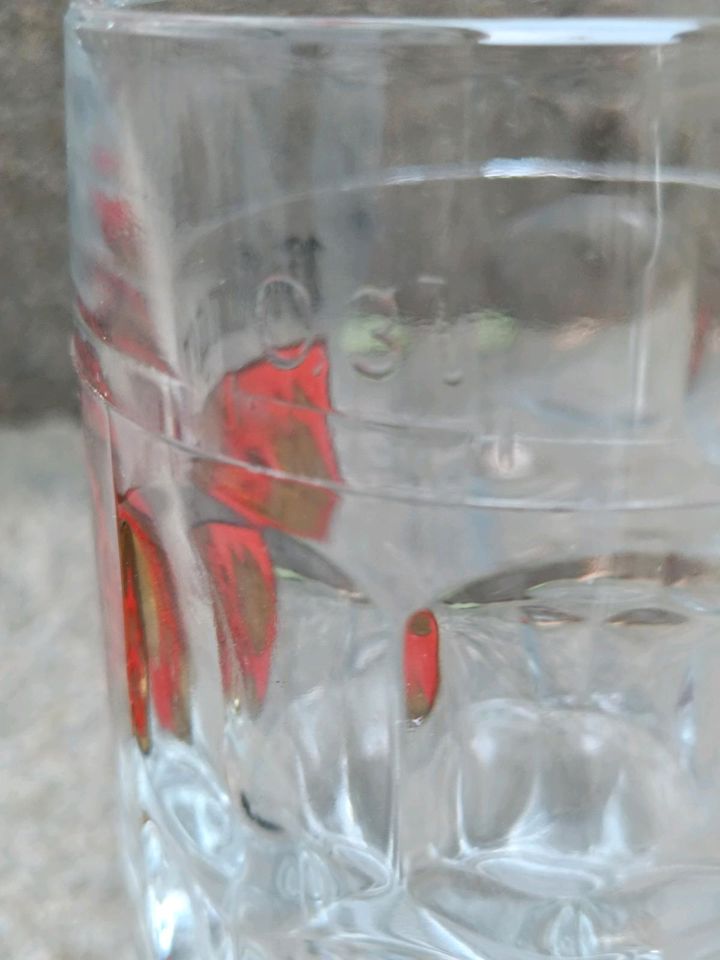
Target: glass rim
(174, 18)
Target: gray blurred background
(35, 371)
(60, 889)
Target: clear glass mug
(398, 335)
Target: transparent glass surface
(398, 330)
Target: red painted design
(155, 648)
(275, 417)
(118, 226)
(422, 665)
(242, 583)
(703, 323)
(121, 317)
(89, 369)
